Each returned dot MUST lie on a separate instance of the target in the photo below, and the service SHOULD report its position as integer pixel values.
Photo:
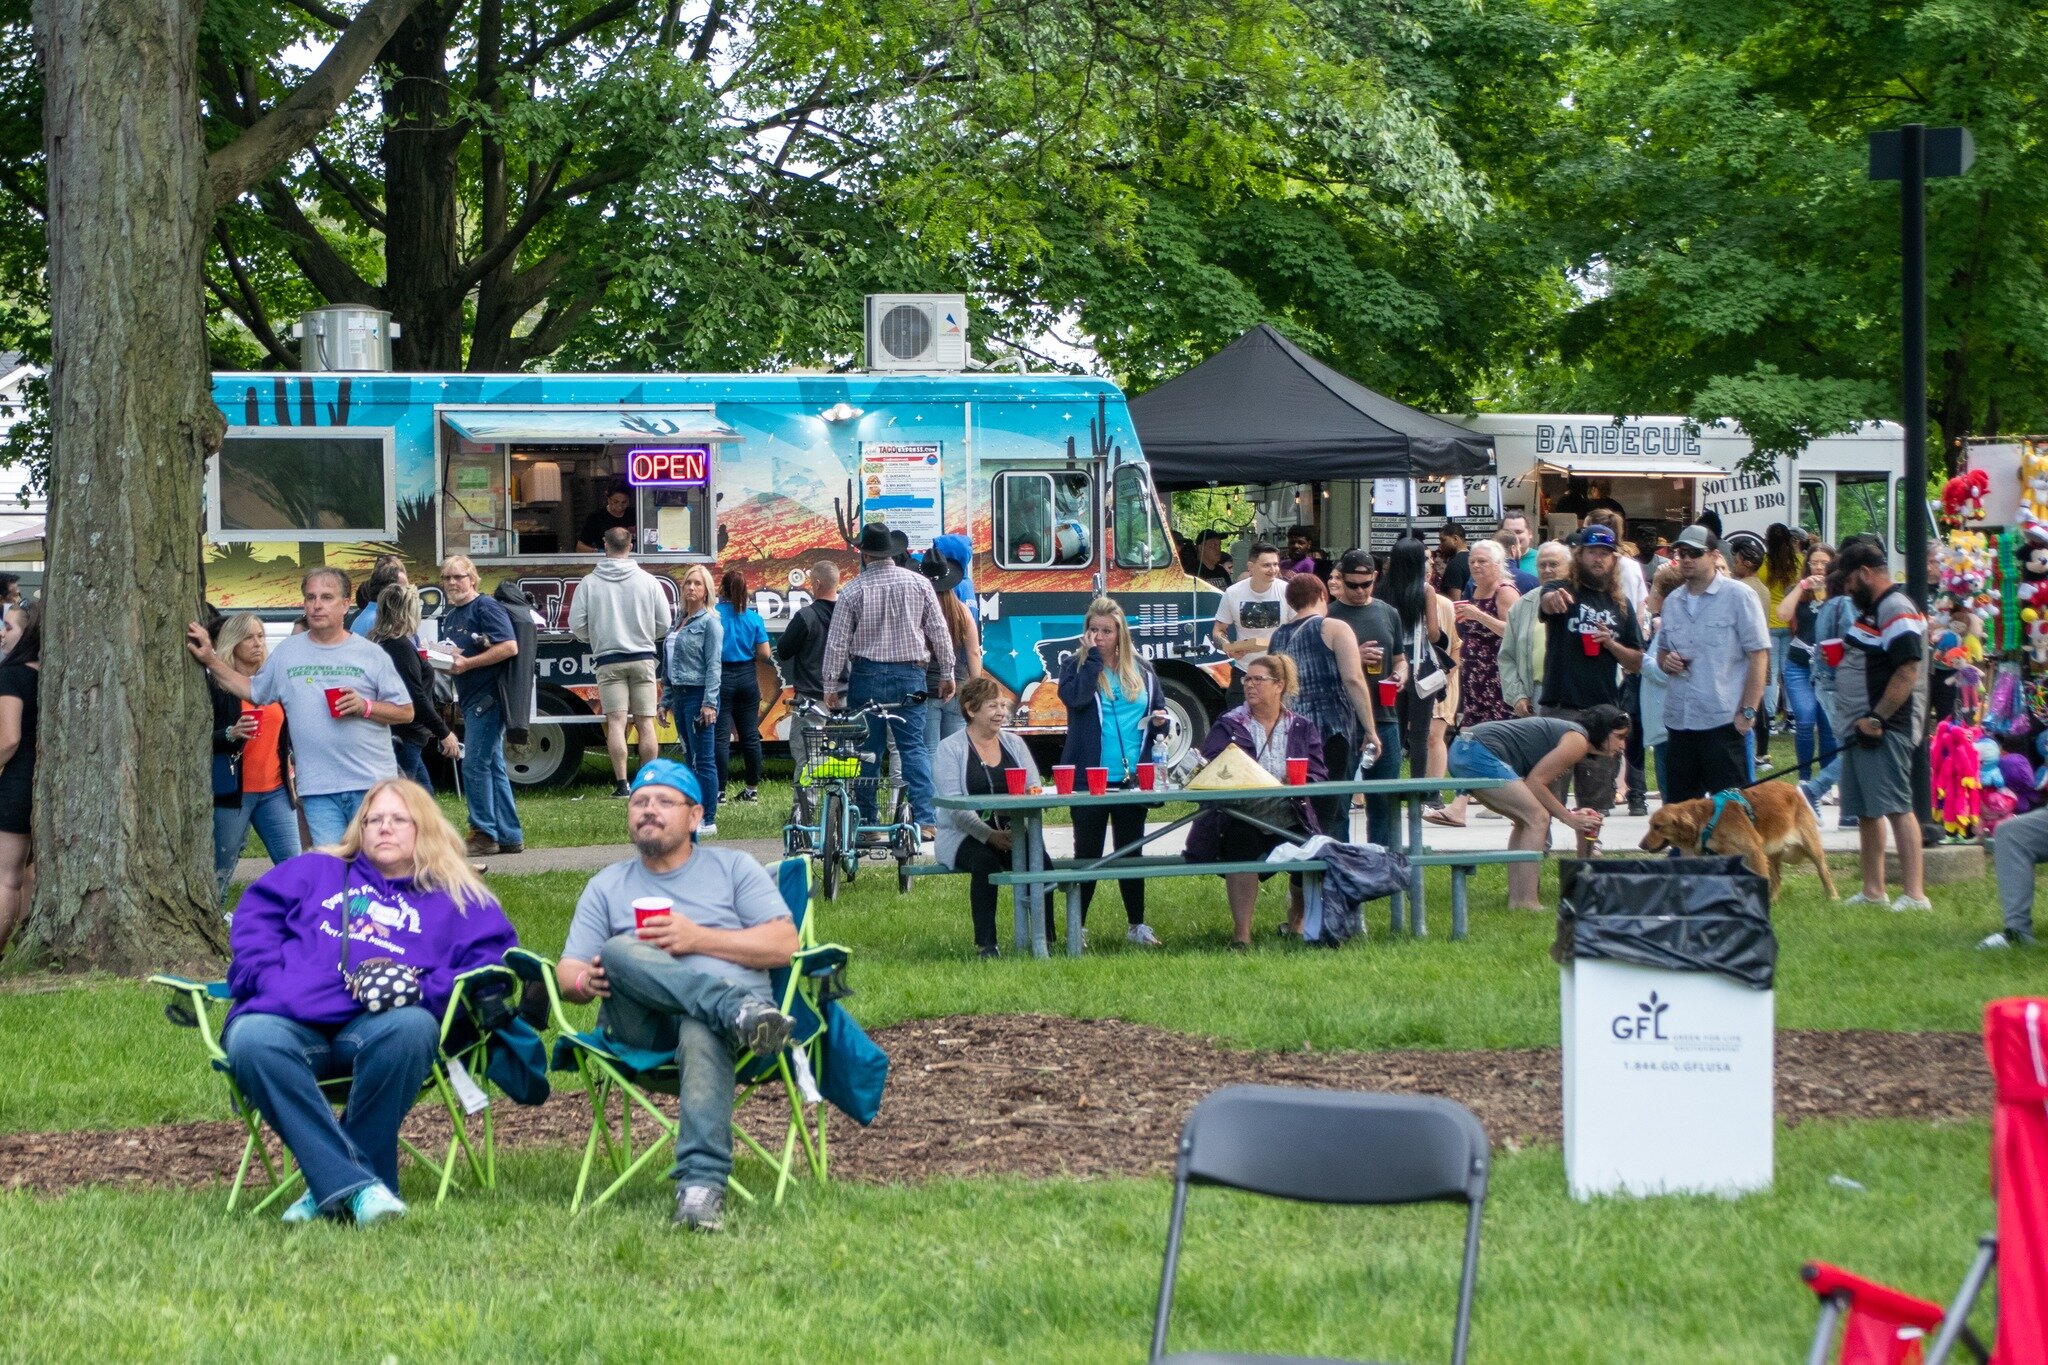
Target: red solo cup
(1063, 778)
(1297, 772)
(648, 909)
(1013, 778)
(1831, 650)
(1390, 692)
(1098, 781)
(334, 696)
(1148, 775)
(1591, 644)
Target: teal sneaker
(374, 1204)
(304, 1211)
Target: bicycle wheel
(830, 804)
(905, 839)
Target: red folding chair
(1881, 1326)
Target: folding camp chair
(611, 1070)
(202, 1005)
(1881, 1326)
(1330, 1147)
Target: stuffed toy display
(1956, 764)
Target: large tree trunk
(123, 821)
(420, 236)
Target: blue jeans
(1809, 717)
(486, 786)
(698, 742)
(410, 763)
(891, 684)
(658, 1003)
(328, 814)
(1781, 640)
(942, 718)
(279, 1062)
(276, 824)
(1382, 825)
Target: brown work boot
(481, 845)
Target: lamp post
(1910, 155)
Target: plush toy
(2034, 491)
(1997, 806)
(1955, 761)
(1962, 498)
(1967, 564)
(2006, 704)
(1989, 775)
(2020, 781)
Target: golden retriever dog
(1784, 824)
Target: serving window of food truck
(548, 483)
(303, 483)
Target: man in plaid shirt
(885, 633)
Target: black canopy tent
(1262, 410)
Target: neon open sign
(677, 467)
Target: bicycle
(823, 820)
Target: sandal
(1437, 817)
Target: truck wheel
(1188, 721)
(553, 754)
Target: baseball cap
(1356, 561)
(1699, 538)
(1596, 537)
(666, 772)
(1746, 544)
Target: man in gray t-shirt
(341, 743)
(693, 978)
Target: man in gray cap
(1715, 648)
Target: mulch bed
(1034, 1095)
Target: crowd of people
(1581, 667)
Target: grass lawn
(1001, 1269)
(106, 1058)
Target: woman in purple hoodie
(400, 883)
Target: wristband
(583, 982)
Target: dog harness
(1722, 800)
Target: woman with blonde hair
(695, 678)
(1115, 709)
(1271, 731)
(343, 963)
(394, 631)
(251, 759)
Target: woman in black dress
(21, 662)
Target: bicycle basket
(831, 769)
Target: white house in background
(21, 514)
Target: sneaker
(1860, 899)
(927, 833)
(374, 1204)
(1846, 822)
(481, 845)
(621, 790)
(700, 1208)
(1638, 807)
(988, 952)
(708, 830)
(762, 1029)
(1988, 941)
(1905, 902)
(1142, 935)
(306, 1210)
(747, 795)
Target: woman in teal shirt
(739, 686)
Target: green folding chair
(202, 1005)
(614, 1072)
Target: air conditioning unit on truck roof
(916, 331)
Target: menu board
(901, 484)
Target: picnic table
(1032, 873)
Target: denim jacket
(691, 654)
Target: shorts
(631, 688)
(1470, 758)
(1878, 782)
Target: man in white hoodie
(621, 612)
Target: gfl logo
(1646, 1025)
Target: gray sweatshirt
(620, 611)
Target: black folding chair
(1330, 1147)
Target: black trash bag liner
(1682, 914)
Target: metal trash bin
(1666, 968)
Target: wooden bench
(1125, 869)
(1461, 866)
